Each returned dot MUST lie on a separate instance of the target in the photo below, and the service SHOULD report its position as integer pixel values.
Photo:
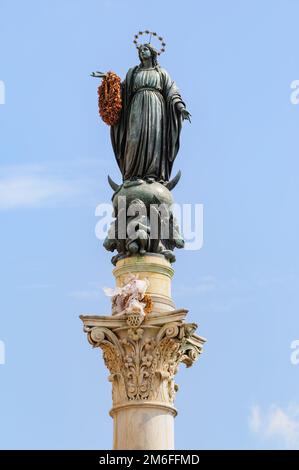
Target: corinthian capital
(143, 355)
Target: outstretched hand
(98, 74)
(185, 114)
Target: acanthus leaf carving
(143, 361)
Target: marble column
(142, 355)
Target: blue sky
(234, 63)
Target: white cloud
(277, 423)
(35, 186)
(255, 419)
(32, 191)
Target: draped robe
(146, 138)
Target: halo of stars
(152, 34)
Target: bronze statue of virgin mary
(146, 137)
(145, 113)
